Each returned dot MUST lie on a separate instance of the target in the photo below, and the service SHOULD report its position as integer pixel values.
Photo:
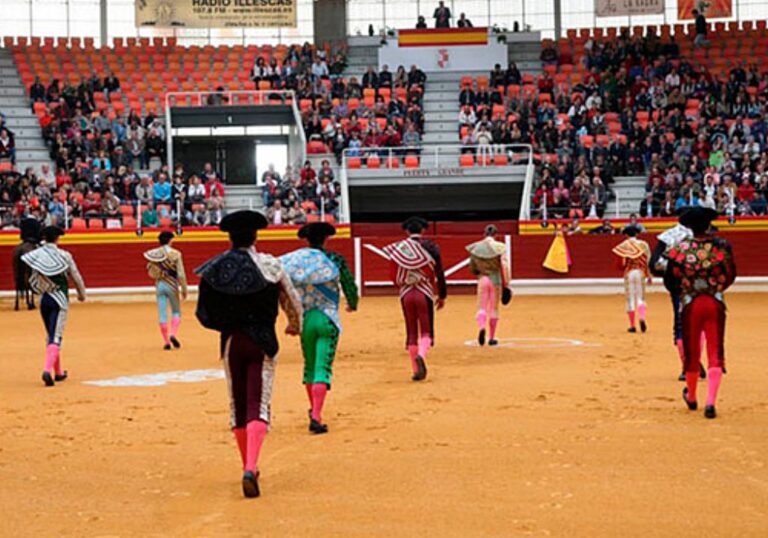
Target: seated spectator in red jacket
(214, 187)
(307, 173)
(392, 138)
(745, 192)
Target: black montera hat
(317, 232)
(244, 220)
(415, 224)
(51, 233)
(165, 237)
(698, 218)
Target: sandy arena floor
(587, 440)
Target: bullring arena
(569, 427)
(604, 162)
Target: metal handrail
(268, 95)
(429, 156)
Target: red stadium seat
(373, 161)
(466, 160)
(411, 161)
(354, 162)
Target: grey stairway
(14, 104)
(630, 192)
(237, 197)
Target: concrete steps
(237, 197)
(31, 150)
(630, 192)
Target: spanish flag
(442, 37)
(558, 258)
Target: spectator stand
(439, 179)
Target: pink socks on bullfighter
(242, 442)
(492, 333)
(164, 332)
(424, 344)
(481, 319)
(52, 359)
(255, 432)
(319, 390)
(714, 377)
(631, 316)
(175, 322)
(641, 311)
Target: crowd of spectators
(300, 196)
(112, 199)
(380, 110)
(643, 109)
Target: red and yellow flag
(442, 37)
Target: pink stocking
(255, 431)
(175, 322)
(494, 322)
(319, 390)
(242, 442)
(691, 380)
(413, 351)
(424, 343)
(631, 318)
(715, 376)
(641, 311)
(51, 356)
(308, 386)
(164, 332)
(481, 319)
(680, 349)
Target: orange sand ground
(580, 441)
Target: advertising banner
(216, 13)
(625, 8)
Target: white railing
(444, 156)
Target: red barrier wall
(115, 260)
(121, 264)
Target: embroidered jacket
(702, 266)
(52, 268)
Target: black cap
(51, 233)
(165, 237)
(415, 225)
(317, 232)
(241, 221)
(698, 219)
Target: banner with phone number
(216, 13)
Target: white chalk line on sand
(198, 376)
(538, 343)
(159, 379)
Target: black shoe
(175, 342)
(702, 372)
(167, 347)
(709, 411)
(48, 379)
(691, 405)
(60, 377)
(316, 428)
(421, 370)
(643, 326)
(481, 337)
(493, 342)
(681, 377)
(251, 484)
(631, 330)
